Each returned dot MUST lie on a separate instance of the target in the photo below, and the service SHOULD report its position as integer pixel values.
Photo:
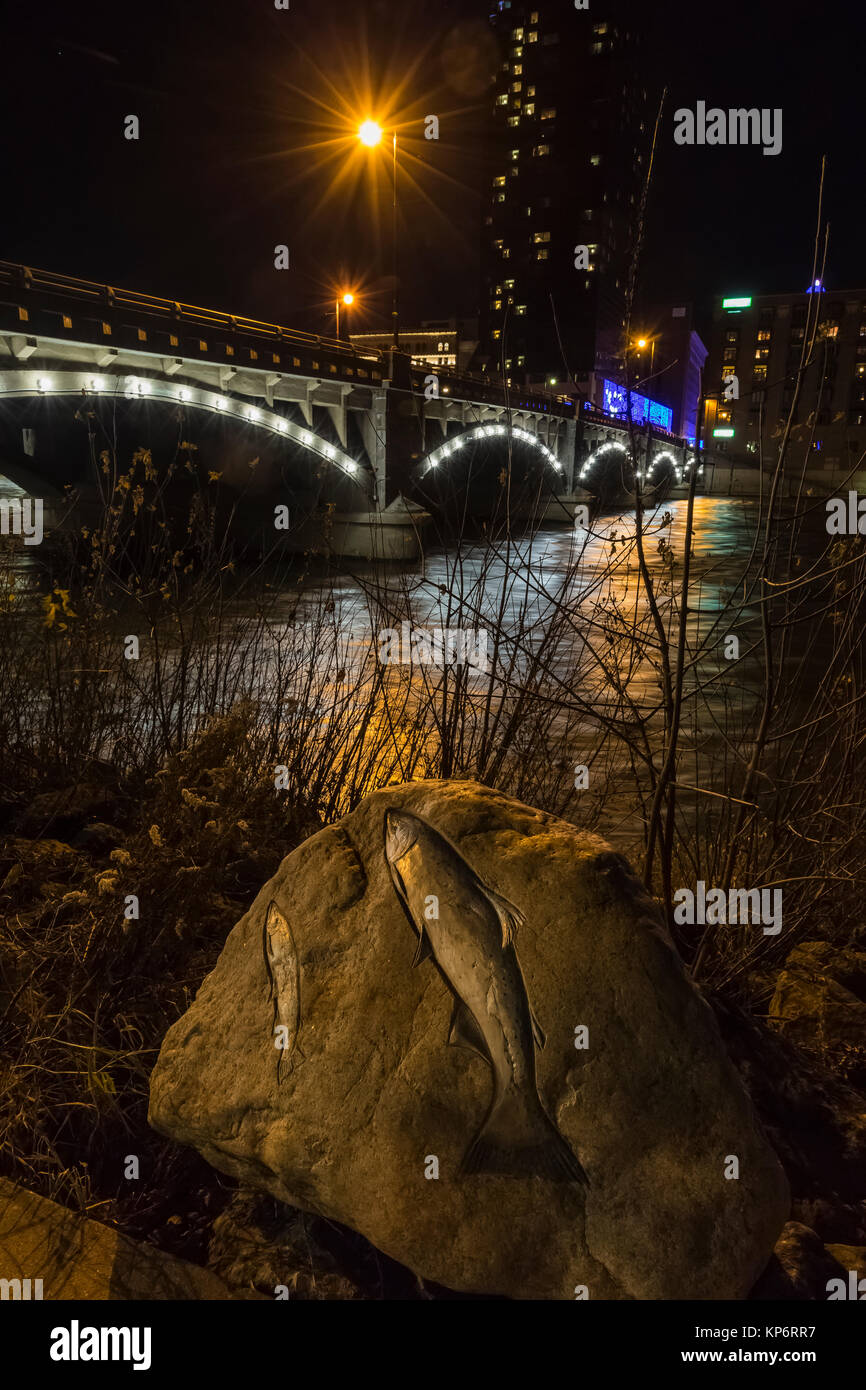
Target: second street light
(348, 300)
(371, 134)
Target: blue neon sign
(642, 408)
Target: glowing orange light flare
(370, 134)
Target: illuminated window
(540, 237)
(542, 255)
(532, 36)
(517, 86)
(760, 371)
(502, 100)
(173, 341)
(254, 356)
(764, 335)
(517, 34)
(497, 303)
(106, 328)
(540, 150)
(521, 309)
(530, 91)
(230, 352)
(497, 333)
(518, 70)
(202, 345)
(67, 321)
(499, 181)
(533, 19)
(512, 121)
(761, 354)
(595, 160)
(596, 48)
(509, 284)
(529, 108)
(515, 154)
(142, 336)
(517, 52)
(24, 315)
(599, 28)
(548, 113)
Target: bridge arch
(46, 383)
(479, 432)
(610, 446)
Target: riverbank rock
(820, 1002)
(373, 1102)
(63, 813)
(76, 1258)
(801, 1268)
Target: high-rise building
(755, 353)
(570, 142)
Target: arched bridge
(380, 423)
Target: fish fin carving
(510, 917)
(541, 1153)
(423, 950)
(537, 1031)
(464, 1031)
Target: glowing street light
(641, 343)
(370, 133)
(348, 299)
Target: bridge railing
(48, 284)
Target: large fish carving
(471, 941)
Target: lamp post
(370, 134)
(641, 344)
(347, 299)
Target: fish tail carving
(540, 1152)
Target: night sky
(247, 115)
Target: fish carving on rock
(471, 939)
(284, 976)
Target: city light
(348, 299)
(723, 434)
(744, 303)
(370, 134)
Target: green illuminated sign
(737, 303)
(723, 434)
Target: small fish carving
(284, 976)
(472, 943)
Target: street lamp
(370, 133)
(348, 299)
(641, 344)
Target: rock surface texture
(76, 1258)
(372, 1092)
